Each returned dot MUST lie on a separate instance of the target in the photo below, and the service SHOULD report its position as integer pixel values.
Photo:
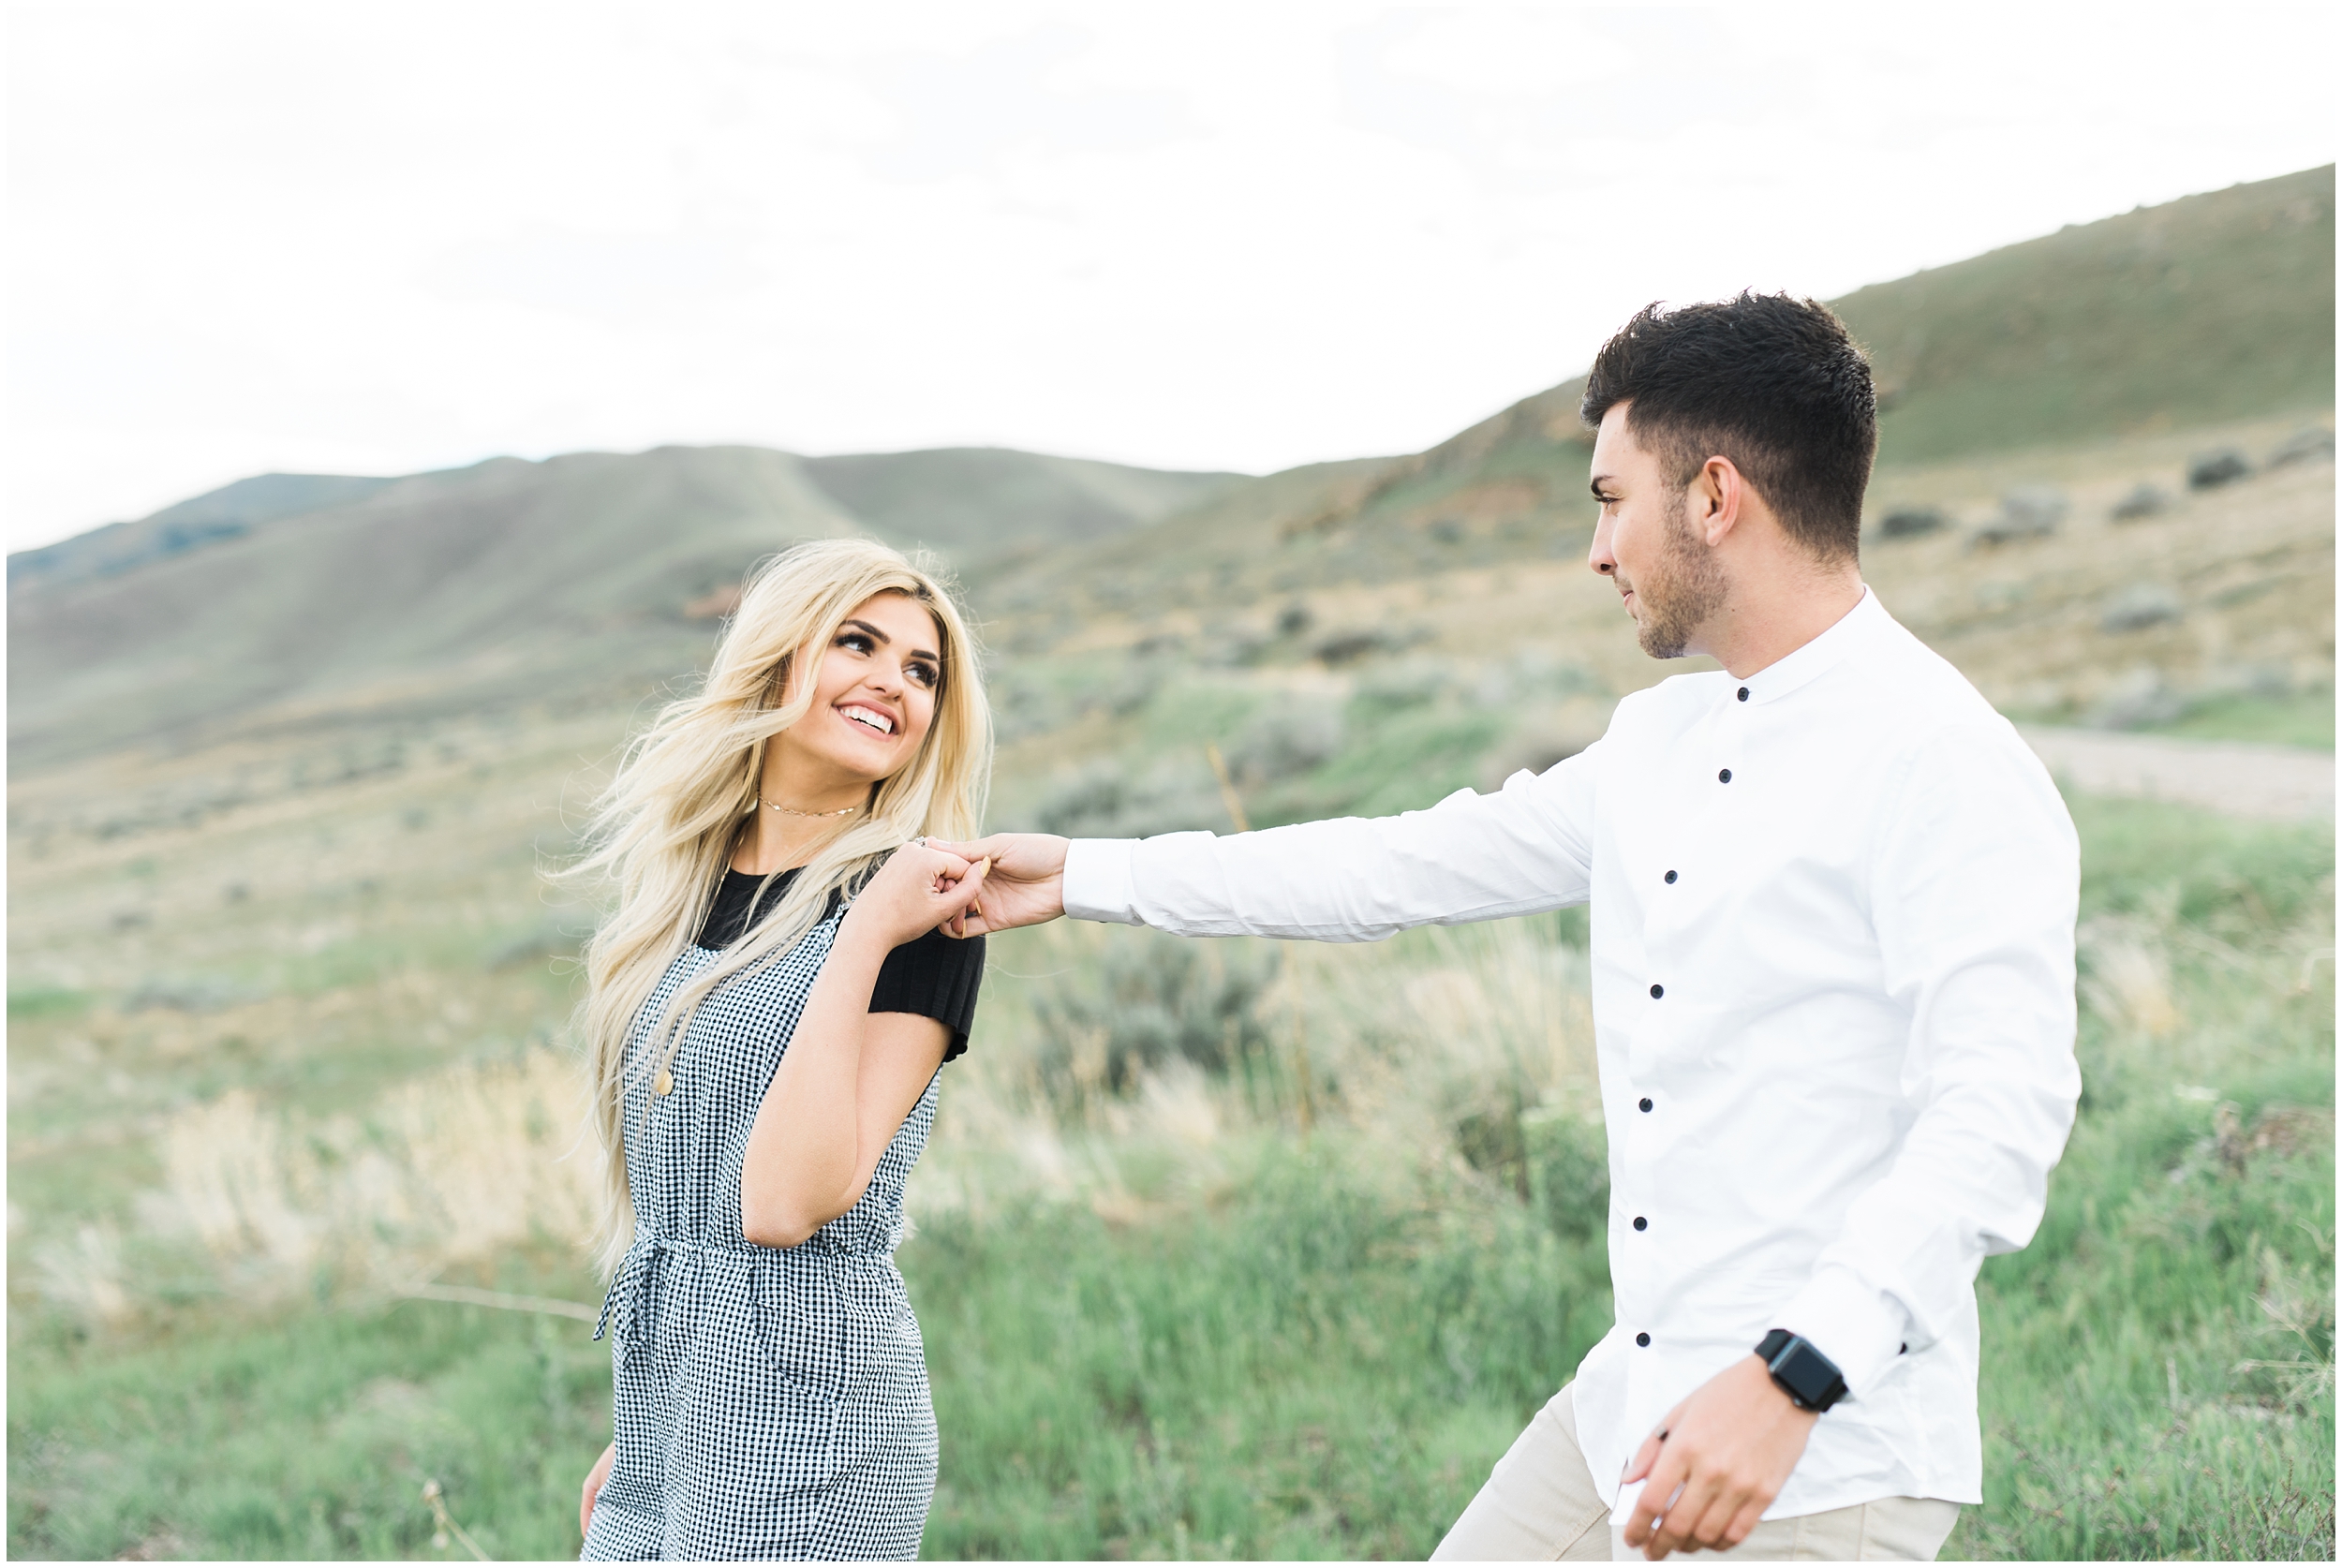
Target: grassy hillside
(301, 596)
(228, 512)
(973, 503)
(2213, 308)
(572, 577)
(1221, 1248)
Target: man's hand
(1716, 1463)
(1026, 886)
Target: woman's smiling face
(872, 701)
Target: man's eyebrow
(1596, 483)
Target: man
(1833, 900)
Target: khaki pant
(1539, 1505)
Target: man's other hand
(1025, 887)
(1716, 1462)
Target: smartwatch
(1810, 1379)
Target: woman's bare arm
(850, 1077)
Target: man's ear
(1719, 495)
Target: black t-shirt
(934, 976)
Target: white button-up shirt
(1834, 1000)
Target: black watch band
(1810, 1379)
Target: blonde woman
(769, 1007)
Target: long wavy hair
(663, 831)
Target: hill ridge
(576, 571)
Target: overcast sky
(375, 238)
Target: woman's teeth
(883, 725)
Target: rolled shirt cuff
(1855, 1325)
(1098, 881)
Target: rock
(1911, 522)
(2312, 445)
(2212, 470)
(2140, 606)
(2031, 512)
(2145, 500)
(2137, 698)
(1348, 648)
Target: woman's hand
(594, 1478)
(1025, 882)
(918, 888)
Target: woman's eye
(854, 640)
(923, 674)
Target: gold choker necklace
(792, 811)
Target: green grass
(48, 1001)
(2303, 718)
(2215, 307)
(308, 1436)
(1314, 1371)
(1320, 1351)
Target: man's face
(1669, 579)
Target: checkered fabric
(770, 1402)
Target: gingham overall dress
(768, 1403)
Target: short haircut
(1773, 383)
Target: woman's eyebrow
(880, 636)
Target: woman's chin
(864, 764)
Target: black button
(1743, 694)
(1645, 1104)
(1641, 1224)
(1642, 1338)
(1670, 875)
(1658, 991)
(1905, 1349)
(1725, 777)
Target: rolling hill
(503, 581)
(2212, 309)
(290, 599)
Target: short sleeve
(936, 977)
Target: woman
(769, 1006)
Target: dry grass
(1406, 1045)
(2251, 567)
(455, 1167)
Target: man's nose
(1598, 553)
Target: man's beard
(1686, 588)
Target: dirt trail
(2274, 783)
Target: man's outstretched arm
(1525, 847)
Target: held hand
(1025, 887)
(594, 1478)
(919, 888)
(1716, 1463)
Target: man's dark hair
(1773, 383)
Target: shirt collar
(1852, 631)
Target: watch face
(1806, 1372)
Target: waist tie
(634, 1263)
(636, 1259)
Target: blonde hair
(664, 830)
